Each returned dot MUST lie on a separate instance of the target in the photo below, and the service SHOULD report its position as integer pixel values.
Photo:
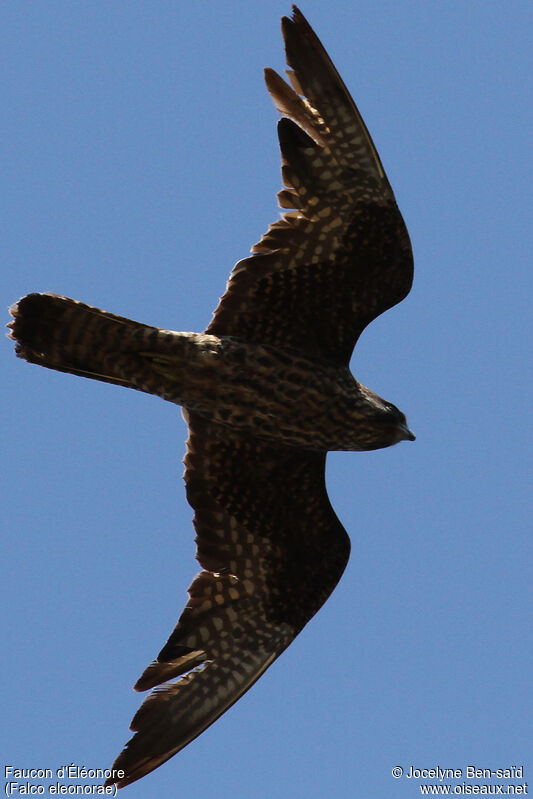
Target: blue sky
(139, 163)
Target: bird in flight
(266, 392)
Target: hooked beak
(405, 433)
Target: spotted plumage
(266, 392)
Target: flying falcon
(266, 391)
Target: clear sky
(139, 162)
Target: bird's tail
(68, 336)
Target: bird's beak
(406, 434)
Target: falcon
(266, 392)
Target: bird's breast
(271, 393)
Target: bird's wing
(327, 268)
(272, 551)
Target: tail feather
(69, 336)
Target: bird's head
(383, 424)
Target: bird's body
(253, 388)
(267, 392)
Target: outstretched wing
(272, 551)
(325, 270)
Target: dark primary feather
(322, 272)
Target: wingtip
(297, 14)
(296, 20)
